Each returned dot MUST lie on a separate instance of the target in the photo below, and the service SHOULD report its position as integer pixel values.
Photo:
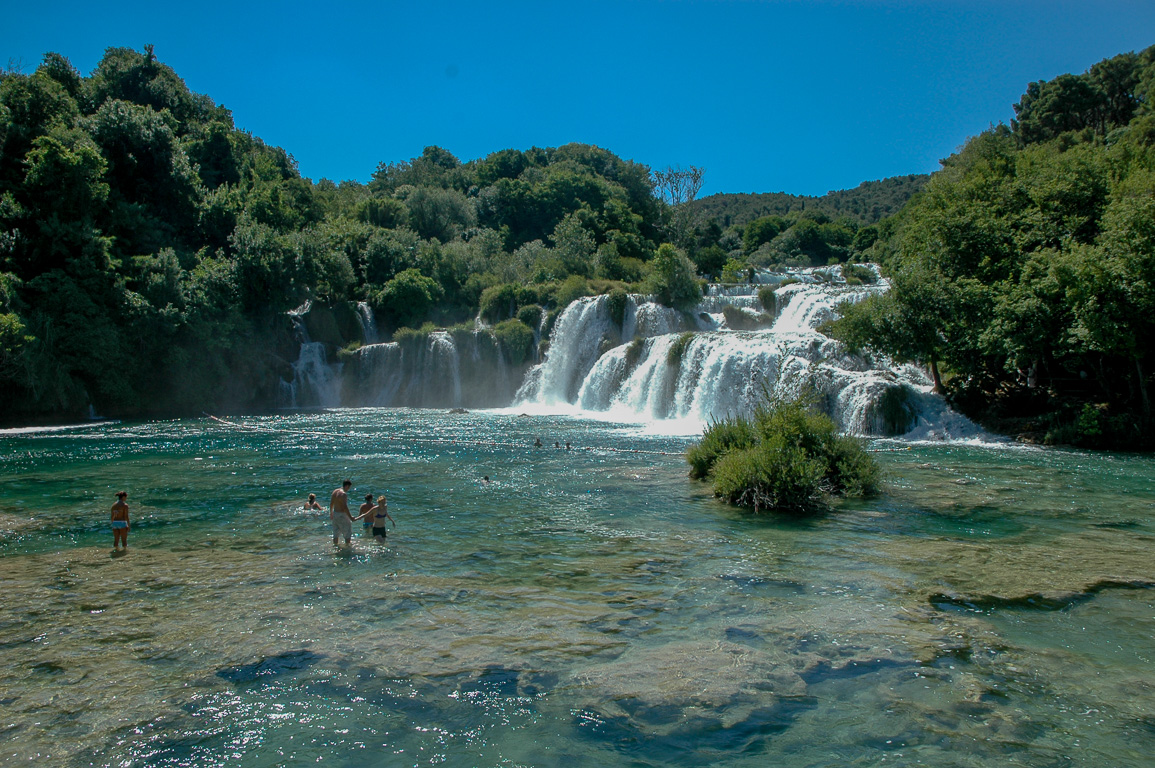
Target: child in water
(120, 522)
(363, 513)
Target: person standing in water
(339, 513)
(312, 504)
(363, 513)
(120, 522)
(380, 514)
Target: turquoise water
(587, 608)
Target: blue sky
(801, 97)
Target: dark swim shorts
(379, 532)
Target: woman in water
(380, 514)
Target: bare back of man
(339, 513)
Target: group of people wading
(373, 514)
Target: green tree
(672, 278)
(760, 231)
(925, 318)
(439, 213)
(407, 299)
(574, 245)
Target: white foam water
(654, 363)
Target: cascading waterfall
(440, 369)
(659, 373)
(315, 383)
(368, 323)
(652, 363)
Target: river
(590, 607)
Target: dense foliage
(149, 249)
(1024, 273)
(734, 234)
(729, 236)
(867, 203)
(787, 458)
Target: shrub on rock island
(787, 458)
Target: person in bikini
(120, 522)
(380, 514)
(312, 504)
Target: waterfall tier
(652, 363)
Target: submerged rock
(272, 666)
(1049, 574)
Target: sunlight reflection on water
(589, 607)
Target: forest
(867, 203)
(149, 250)
(1023, 273)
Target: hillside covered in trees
(149, 250)
(868, 203)
(1024, 273)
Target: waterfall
(652, 369)
(586, 331)
(368, 323)
(315, 383)
(441, 369)
(651, 363)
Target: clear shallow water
(589, 607)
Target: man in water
(339, 513)
(120, 522)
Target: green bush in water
(738, 320)
(678, 349)
(787, 458)
(634, 351)
(856, 274)
(766, 298)
(721, 438)
(852, 471)
(771, 475)
(413, 337)
(345, 353)
(551, 320)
